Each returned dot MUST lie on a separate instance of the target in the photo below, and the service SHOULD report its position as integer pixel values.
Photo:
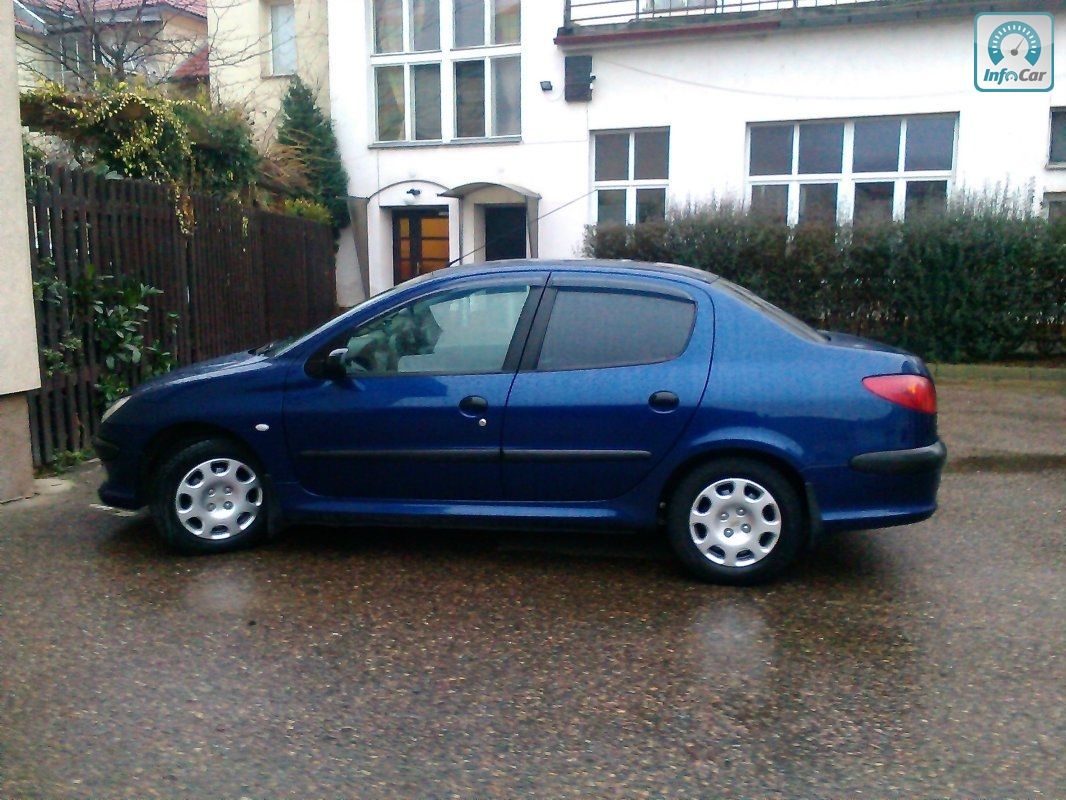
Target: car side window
(593, 328)
(466, 331)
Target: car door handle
(473, 405)
(663, 401)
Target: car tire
(210, 497)
(735, 521)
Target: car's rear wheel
(210, 497)
(735, 521)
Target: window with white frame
(864, 170)
(1057, 150)
(630, 170)
(485, 22)
(429, 89)
(488, 97)
(1055, 206)
(282, 21)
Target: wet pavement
(916, 662)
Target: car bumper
(902, 462)
(121, 489)
(880, 489)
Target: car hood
(203, 370)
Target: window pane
(612, 156)
(926, 197)
(595, 329)
(873, 202)
(470, 98)
(283, 39)
(390, 103)
(770, 203)
(652, 155)
(651, 205)
(506, 21)
(818, 204)
(821, 147)
(877, 145)
(1056, 211)
(425, 24)
(426, 78)
(930, 143)
(507, 96)
(611, 207)
(469, 23)
(771, 150)
(388, 26)
(1058, 137)
(464, 332)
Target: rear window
(782, 318)
(597, 328)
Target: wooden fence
(241, 278)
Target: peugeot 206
(532, 394)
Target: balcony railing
(618, 12)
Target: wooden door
(420, 242)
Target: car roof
(619, 266)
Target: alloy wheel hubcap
(735, 522)
(218, 499)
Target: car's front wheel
(209, 497)
(735, 521)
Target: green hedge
(972, 284)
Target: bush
(308, 209)
(309, 133)
(140, 132)
(976, 283)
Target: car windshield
(281, 346)
(783, 318)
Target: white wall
(707, 90)
(240, 57)
(18, 346)
(19, 371)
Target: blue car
(538, 394)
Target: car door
(613, 372)
(419, 414)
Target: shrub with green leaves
(309, 133)
(308, 209)
(140, 132)
(978, 282)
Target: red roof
(195, 7)
(195, 67)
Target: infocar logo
(1014, 52)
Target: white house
(485, 129)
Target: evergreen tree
(307, 130)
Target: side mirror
(333, 368)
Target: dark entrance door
(505, 232)
(419, 242)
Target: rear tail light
(910, 391)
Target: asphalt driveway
(921, 662)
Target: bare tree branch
(87, 39)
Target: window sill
(269, 76)
(491, 140)
(1056, 165)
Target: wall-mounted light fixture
(545, 86)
